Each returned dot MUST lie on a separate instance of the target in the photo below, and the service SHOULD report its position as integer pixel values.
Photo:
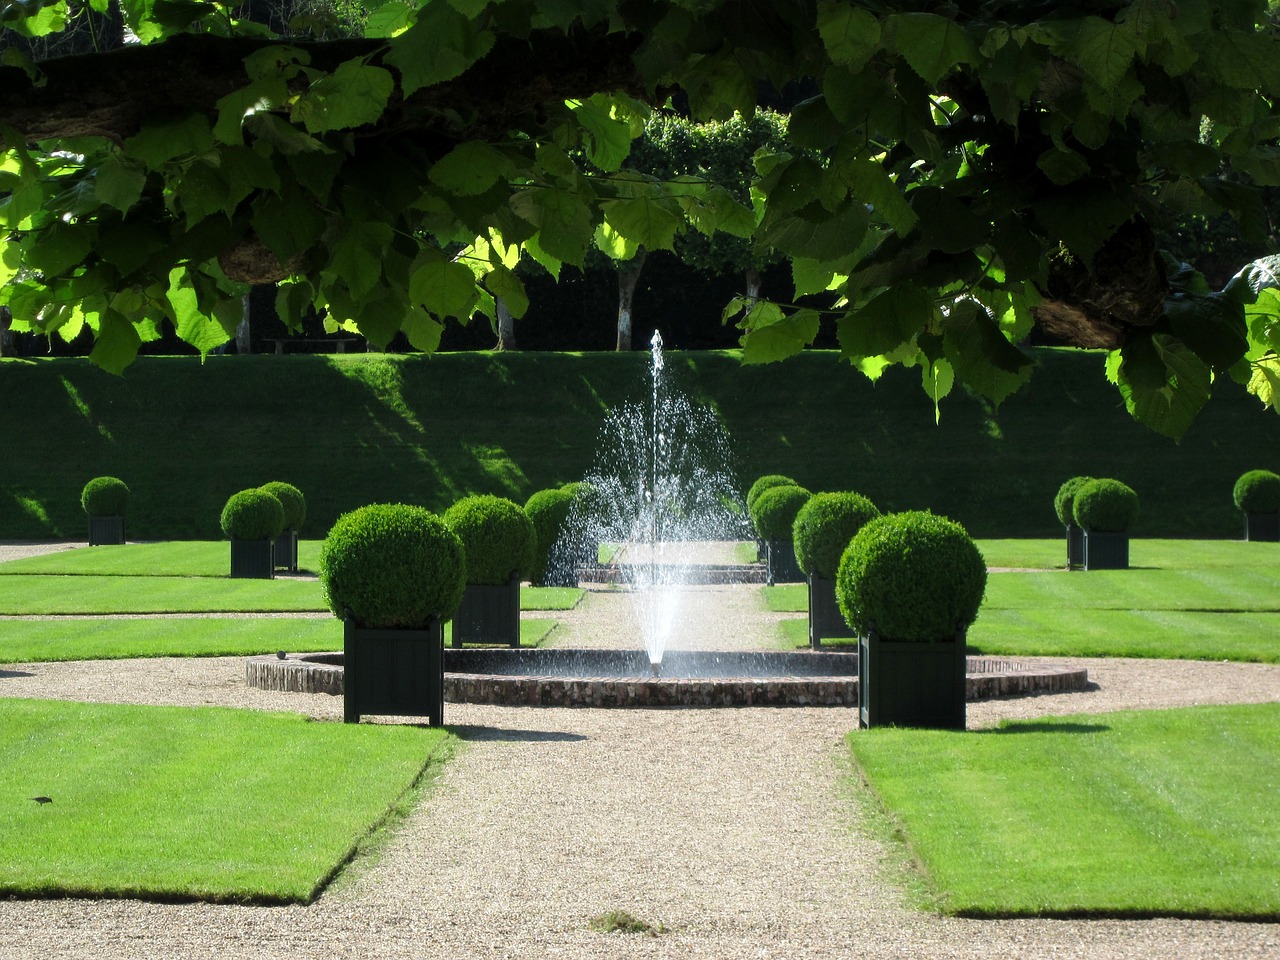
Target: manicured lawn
(169, 558)
(47, 594)
(193, 803)
(1145, 813)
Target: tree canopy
(959, 173)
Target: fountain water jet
(662, 483)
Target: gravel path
(732, 828)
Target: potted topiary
(767, 482)
(253, 519)
(499, 541)
(295, 512)
(1064, 507)
(1257, 495)
(548, 510)
(1105, 509)
(910, 584)
(821, 533)
(105, 500)
(394, 574)
(774, 514)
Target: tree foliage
(963, 172)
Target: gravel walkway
(732, 828)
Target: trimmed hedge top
(392, 566)
(774, 511)
(1257, 491)
(823, 528)
(291, 498)
(548, 510)
(1064, 500)
(498, 537)
(253, 515)
(1106, 505)
(911, 576)
(105, 497)
(767, 482)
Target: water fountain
(661, 486)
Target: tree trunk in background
(506, 326)
(243, 343)
(628, 277)
(6, 318)
(754, 282)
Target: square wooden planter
(1075, 547)
(780, 555)
(1106, 550)
(489, 613)
(397, 673)
(286, 551)
(908, 684)
(252, 559)
(825, 618)
(105, 530)
(1262, 527)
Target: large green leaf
(116, 343)
(564, 222)
(1264, 382)
(438, 47)
(357, 256)
(850, 34)
(158, 143)
(1212, 325)
(608, 138)
(769, 334)
(646, 221)
(202, 332)
(1164, 384)
(888, 321)
(980, 353)
(1107, 49)
(352, 96)
(933, 45)
(471, 168)
(119, 183)
(444, 287)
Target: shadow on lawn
(1050, 726)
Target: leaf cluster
(1257, 491)
(253, 514)
(105, 497)
(761, 484)
(773, 512)
(548, 510)
(1064, 500)
(1105, 505)
(498, 537)
(293, 501)
(824, 528)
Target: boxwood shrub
(767, 482)
(911, 576)
(548, 510)
(1257, 491)
(291, 498)
(1064, 500)
(497, 535)
(392, 566)
(1105, 505)
(253, 515)
(105, 497)
(823, 528)
(774, 511)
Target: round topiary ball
(1064, 500)
(105, 497)
(252, 515)
(1257, 491)
(774, 511)
(498, 537)
(767, 482)
(548, 510)
(911, 576)
(823, 528)
(392, 566)
(291, 498)
(1107, 506)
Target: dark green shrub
(823, 528)
(548, 510)
(1257, 491)
(767, 482)
(392, 566)
(1064, 500)
(1106, 505)
(291, 498)
(498, 537)
(253, 515)
(774, 511)
(105, 497)
(911, 576)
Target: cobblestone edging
(987, 678)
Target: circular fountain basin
(624, 678)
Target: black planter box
(105, 530)
(252, 559)
(908, 684)
(286, 551)
(1075, 547)
(825, 618)
(1106, 550)
(489, 613)
(397, 673)
(780, 556)
(1262, 527)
